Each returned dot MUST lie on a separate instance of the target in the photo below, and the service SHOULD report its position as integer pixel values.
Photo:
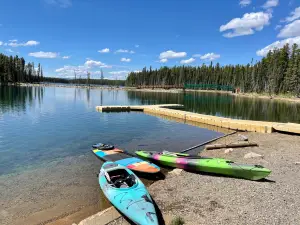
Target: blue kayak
(127, 193)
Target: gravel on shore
(204, 199)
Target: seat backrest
(107, 177)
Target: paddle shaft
(207, 142)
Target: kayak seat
(120, 178)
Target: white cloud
(66, 57)
(278, 27)
(137, 71)
(277, 45)
(247, 24)
(163, 60)
(14, 43)
(105, 50)
(187, 61)
(60, 3)
(125, 60)
(92, 63)
(244, 3)
(197, 55)
(270, 4)
(210, 56)
(172, 55)
(239, 32)
(9, 50)
(98, 72)
(106, 66)
(294, 15)
(60, 70)
(1, 43)
(137, 46)
(31, 43)
(45, 55)
(122, 72)
(69, 70)
(124, 51)
(290, 30)
(13, 40)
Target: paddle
(207, 142)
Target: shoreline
(62, 178)
(226, 200)
(246, 95)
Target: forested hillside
(14, 69)
(278, 72)
(85, 81)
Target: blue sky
(119, 36)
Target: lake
(47, 169)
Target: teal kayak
(207, 165)
(127, 193)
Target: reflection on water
(225, 105)
(35, 118)
(16, 99)
(60, 122)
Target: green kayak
(207, 165)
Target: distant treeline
(84, 81)
(278, 72)
(14, 69)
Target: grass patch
(177, 221)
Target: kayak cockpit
(120, 178)
(101, 146)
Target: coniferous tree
(277, 72)
(42, 74)
(39, 71)
(14, 70)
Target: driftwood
(233, 145)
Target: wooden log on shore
(233, 145)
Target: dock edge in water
(171, 110)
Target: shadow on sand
(232, 177)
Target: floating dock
(124, 108)
(172, 110)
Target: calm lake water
(48, 131)
(41, 124)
